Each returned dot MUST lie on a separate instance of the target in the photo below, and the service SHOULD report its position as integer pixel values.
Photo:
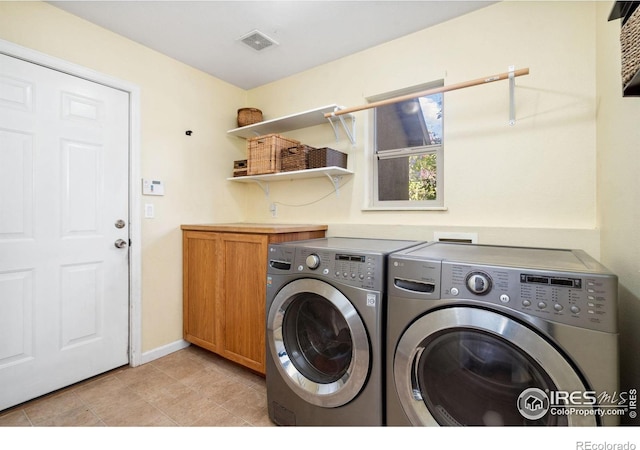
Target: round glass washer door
(318, 342)
(470, 366)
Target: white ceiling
(204, 34)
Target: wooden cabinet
(224, 286)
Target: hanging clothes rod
(452, 87)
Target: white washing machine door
(318, 342)
(470, 366)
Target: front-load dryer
(489, 335)
(325, 319)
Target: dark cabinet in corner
(630, 45)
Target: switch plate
(149, 211)
(152, 187)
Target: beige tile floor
(189, 388)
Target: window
(407, 152)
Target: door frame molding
(135, 229)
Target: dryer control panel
(586, 300)
(578, 299)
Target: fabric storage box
(295, 158)
(327, 157)
(240, 168)
(263, 153)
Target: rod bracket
(512, 103)
(351, 133)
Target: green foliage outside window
(422, 177)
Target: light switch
(152, 187)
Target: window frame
(373, 203)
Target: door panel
(201, 283)
(82, 303)
(82, 169)
(16, 184)
(243, 309)
(64, 293)
(16, 318)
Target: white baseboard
(163, 351)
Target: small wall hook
(188, 132)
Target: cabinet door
(201, 272)
(244, 298)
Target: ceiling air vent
(257, 40)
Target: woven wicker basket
(295, 158)
(249, 116)
(263, 153)
(327, 157)
(630, 46)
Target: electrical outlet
(274, 210)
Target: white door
(64, 285)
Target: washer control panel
(479, 283)
(583, 300)
(363, 270)
(356, 269)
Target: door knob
(120, 243)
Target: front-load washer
(325, 319)
(494, 335)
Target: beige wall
(619, 190)
(174, 98)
